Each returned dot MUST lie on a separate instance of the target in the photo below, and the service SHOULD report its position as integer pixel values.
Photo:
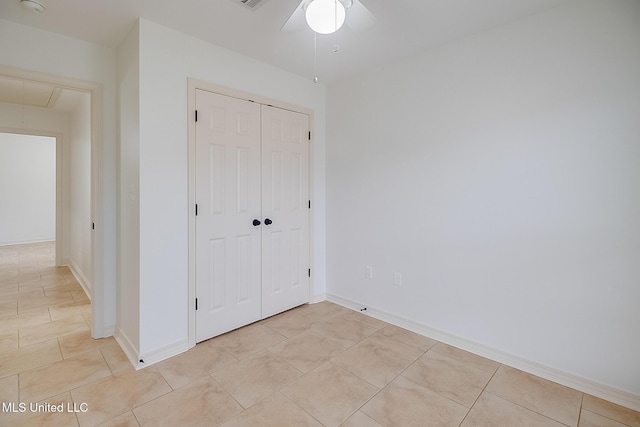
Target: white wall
(78, 167)
(42, 121)
(128, 330)
(27, 188)
(501, 176)
(31, 49)
(167, 59)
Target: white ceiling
(403, 27)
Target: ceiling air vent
(251, 4)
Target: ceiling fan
(308, 12)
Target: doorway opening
(69, 110)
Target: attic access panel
(251, 4)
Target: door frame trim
(98, 291)
(192, 86)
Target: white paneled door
(252, 222)
(228, 245)
(285, 207)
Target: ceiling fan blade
(296, 21)
(359, 18)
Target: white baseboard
(26, 242)
(140, 361)
(108, 331)
(163, 353)
(80, 277)
(584, 385)
(317, 298)
(127, 347)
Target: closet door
(285, 210)
(228, 196)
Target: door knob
(256, 222)
(268, 221)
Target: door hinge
(196, 115)
(309, 135)
(196, 209)
(196, 303)
(93, 225)
(309, 272)
(309, 204)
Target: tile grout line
(480, 394)
(580, 410)
(528, 409)
(387, 384)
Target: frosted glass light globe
(325, 16)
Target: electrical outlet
(368, 272)
(397, 278)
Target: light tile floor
(318, 364)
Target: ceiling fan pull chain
(315, 57)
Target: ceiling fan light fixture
(36, 6)
(325, 16)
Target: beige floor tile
(330, 394)
(63, 376)
(8, 308)
(291, 323)
(69, 310)
(49, 262)
(8, 340)
(80, 342)
(254, 378)
(15, 296)
(40, 413)
(403, 341)
(80, 296)
(465, 357)
(308, 350)
(116, 359)
(62, 289)
(359, 419)
(374, 363)
(194, 364)
(125, 420)
(199, 403)
(347, 332)
(53, 272)
(589, 419)
(246, 341)
(28, 276)
(115, 395)
(29, 303)
(9, 389)
(456, 380)
(363, 318)
(57, 329)
(611, 410)
(545, 397)
(274, 411)
(27, 358)
(324, 310)
(493, 411)
(87, 319)
(405, 403)
(10, 277)
(8, 288)
(33, 283)
(26, 320)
